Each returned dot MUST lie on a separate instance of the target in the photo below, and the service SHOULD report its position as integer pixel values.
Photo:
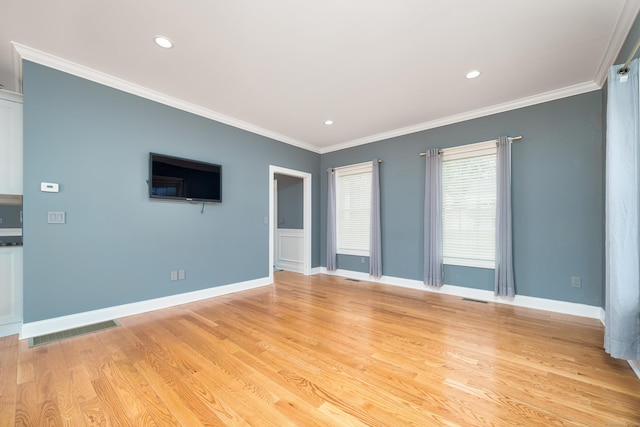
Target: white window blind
(469, 205)
(353, 209)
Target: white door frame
(275, 223)
(306, 215)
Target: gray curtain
(433, 219)
(622, 275)
(331, 221)
(375, 244)
(504, 283)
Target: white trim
(621, 30)
(52, 61)
(10, 329)
(96, 76)
(602, 316)
(462, 117)
(477, 263)
(11, 96)
(289, 240)
(564, 307)
(306, 216)
(635, 365)
(8, 232)
(17, 69)
(353, 252)
(294, 266)
(63, 323)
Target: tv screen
(183, 179)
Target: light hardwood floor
(324, 351)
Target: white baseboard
(10, 329)
(41, 327)
(290, 266)
(635, 365)
(57, 324)
(479, 294)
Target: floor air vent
(352, 280)
(474, 300)
(83, 330)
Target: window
(353, 209)
(469, 205)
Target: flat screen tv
(183, 179)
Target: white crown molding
(63, 323)
(51, 61)
(72, 68)
(626, 19)
(555, 306)
(17, 69)
(482, 112)
(11, 96)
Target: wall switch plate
(49, 187)
(181, 274)
(174, 275)
(56, 217)
(576, 282)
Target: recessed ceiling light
(473, 74)
(163, 42)
(328, 122)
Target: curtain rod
(625, 68)
(511, 139)
(357, 164)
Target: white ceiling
(377, 68)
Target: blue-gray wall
(118, 246)
(557, 201)
(290, 202)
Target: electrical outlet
(576, 282)
(56, 217)
(181, 274)
(361, 260)
(174, 275)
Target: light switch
(56, 217)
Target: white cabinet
(10, 290)
(10, 143)
(10, 183)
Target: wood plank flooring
(324, 351)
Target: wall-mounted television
(175, 178)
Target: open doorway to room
(289, 226)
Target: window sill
(470, 263)
(352, 252)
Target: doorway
(305, 246)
